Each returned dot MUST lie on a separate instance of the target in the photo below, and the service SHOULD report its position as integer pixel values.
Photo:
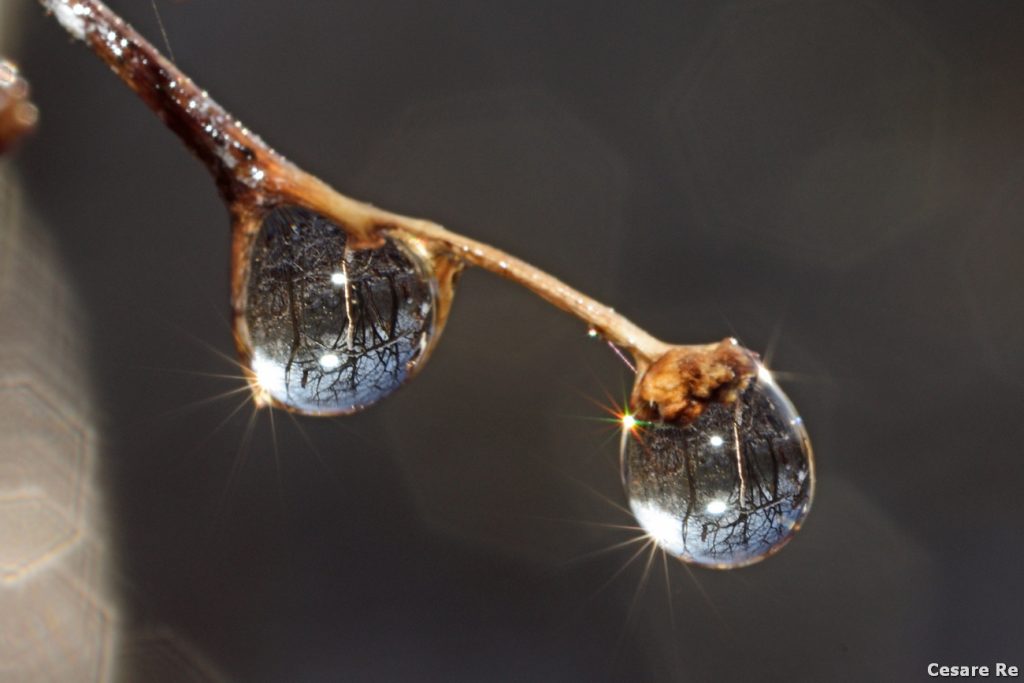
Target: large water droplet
(727, 489)
(332, 329)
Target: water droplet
(728, 489)
(332, 330)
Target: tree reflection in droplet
(332, 329)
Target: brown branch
(252, 177)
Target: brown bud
(686, 379)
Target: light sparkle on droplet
(268, 379)
(717, 507)
(330, 361)
(663, 527)
(628, 422)
(716, 441)
(339, 279)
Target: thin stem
(249, 173)
(603, 319)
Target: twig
(253, 178)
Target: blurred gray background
(838, 183)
